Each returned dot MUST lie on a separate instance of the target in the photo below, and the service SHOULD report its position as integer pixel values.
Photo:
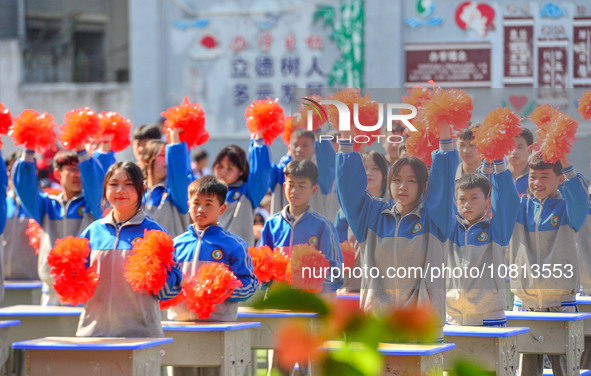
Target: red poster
(448, 64)
(552, 63)
(582, 51)
(518, 51)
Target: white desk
(21, 292)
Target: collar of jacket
(193, 230)
(289, 218)
(557, 198)
(137, 219)
(393, 211)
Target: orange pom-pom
(262, 262)
(117, 125)
(422, 142)
(33, 130)
(35, 233)
(556, 142)
(213, 284)
(368, 114)
(418, 96)
(79, 126)
(146, 269)
(280, 266)
(348, 250)
(542, 116)
(495, 138)
(166, 304)
(292, 123)
(584, 105)
(315, 262)
(74, 283)
(266, 116)
(451, 106)
(5, 119)
(189, 117)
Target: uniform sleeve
(329, 245)
(504, 204)
(361, 210)
(267, 236)
(3, 186)
(341, 226)
(24, 177)
(325, 160)
(92, 176)
(179, 175)
(241, 266)
(105, 159)
(440, 190)
(260, 172)
(577, 199)
(173, 285)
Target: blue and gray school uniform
(214, 244)
(584, 255)
(482, 300)
(522, 183)
(115, 310)
(389, 239)
(167, 202)
(58, 218)
(244, 197)
(3, 211)
(545, 233)
(19, 257)
(283, 230)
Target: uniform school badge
(313, 240)
(236, 195)
(81, 211)
(217, 254)
(483, 236)
(555, 221)
(416, 228)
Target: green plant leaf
(468, 368)
(354, 359)
(282, 296)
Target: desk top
(90, 343)
(401, 348)
(482, 331)
(247, 312)
(546, 316)
(37, 310)
(207, 326)
(582, 372)
(348, 296)
(15, 285)
(583, 299)
(7, 323)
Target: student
(206, 242)
(468, 152)
(583, 243)
(518, 160)
(66, 214)
(247, 180)
(545, 234)
(479, 242)
(199, 164)
(392, 143)
(409, 233)
(3, 202)
(298, 223)
(18, 256)
(141, 136)
(168, 175)
(116, 310)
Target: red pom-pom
(117, 125)
(584, 105)
(146, 269)
(262, 261)
(422, 142)
(79, 126)
(418, 97)
(292, 123)
(348, 249)
(451, 106)
(166, 304)
(495, 138)
(33, 130)
(190, 118)
(35, 233)
(368, 114)
(213, 284)
(266, 116)
(310, 279)
(74, 283)
(5, 119)
(556, 141)
(280, 266)
(542, 116)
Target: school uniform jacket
(116, 310)
(167, 202)
(214, 244)
(389, 239)
(282, 230)
(3, 207)
(19, 257)
(481, 300)
(584, 255)
(545, 233)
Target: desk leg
(575, 343)
(497, 354)
(413, 365)
(237, 353)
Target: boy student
(81, 177)
(141, 136)
(298, 223)
(518, 160)
(544, 238)
(468, 152)
(206, 242)
(479, 242)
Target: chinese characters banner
(552, 63)
(518, 51)
(582, 51)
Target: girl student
(408, 232)
(168, 174)
(116, 310)
(247, 181)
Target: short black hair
(237, 157)
(199, 154)
(301, 132)
(147, 132)
(209, 186)
(470, 181)
(537, 162)
(467, 134)
(64, 157)
(382, 164)
(302, 169)
(527, 136)
(396, 128)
